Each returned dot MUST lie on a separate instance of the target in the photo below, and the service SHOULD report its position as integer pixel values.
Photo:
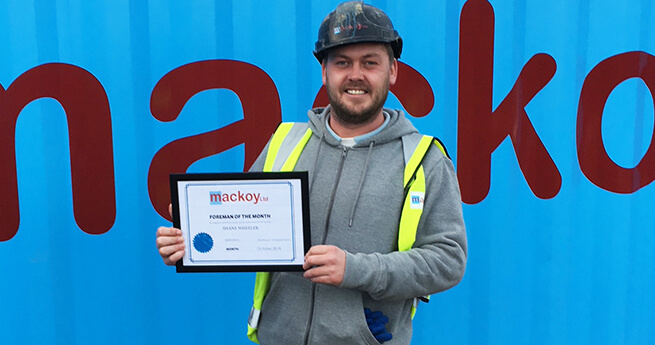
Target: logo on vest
(416, 200)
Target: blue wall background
(574, 269)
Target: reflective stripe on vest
(281, 157)
(295, 136)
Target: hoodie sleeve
(438, 258)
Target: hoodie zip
(337, 178)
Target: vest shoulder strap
(415, 149)
(294, 136)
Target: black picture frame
(297, 178)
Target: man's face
(357, 78)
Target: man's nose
(355, 72)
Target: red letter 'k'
(481, 130)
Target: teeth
(355, 92)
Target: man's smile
(355, 91)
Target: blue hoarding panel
(560, 229)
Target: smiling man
(386, 218)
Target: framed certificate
(242, 222)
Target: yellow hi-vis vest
(295, 136)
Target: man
(359, 286)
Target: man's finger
(314, 272)
(171, 260)
(321, 270)
(318, 249)
(164, 241)
(168, 231)
(168, 250)
(321, 275)
(311, 260)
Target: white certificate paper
(241, 222)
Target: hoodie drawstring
(361, 183)
(318, 154)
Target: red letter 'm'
(261, 115)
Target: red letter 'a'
(261, 115)
(89, 125)
(411, 89)
(594, 161)
(480, 130)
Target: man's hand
(325, 265)
(170, 243)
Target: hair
(387, 46)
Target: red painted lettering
(481, 130)
(261, 115)
(594, 161)
(91, 150)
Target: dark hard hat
(356, 22)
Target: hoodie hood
(398, 126)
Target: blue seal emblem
(203, 242)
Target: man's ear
(393, 73)
(324, 69)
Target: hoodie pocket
(339, 318)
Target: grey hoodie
(355, 204)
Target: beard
(356, 114)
